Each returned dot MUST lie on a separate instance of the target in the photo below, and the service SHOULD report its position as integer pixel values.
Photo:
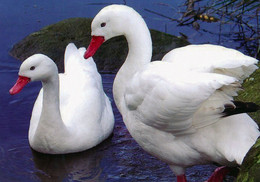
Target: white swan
(175, 108)
(72, 113)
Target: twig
(159, 14)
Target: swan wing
(70, 52)
(75, 63)
(208, 58)
(83, 93)
(212, 59)
(166, 98)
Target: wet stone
(53, 39)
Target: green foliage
(251, 92)
(250, 169)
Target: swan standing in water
(180, 109)
(72, 113)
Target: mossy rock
(250, 169)
(251, 92)
(53, 39)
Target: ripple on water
(16, 161)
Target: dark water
(117, 159)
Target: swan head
(37, 67)
(111, 21)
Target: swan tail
(239, 107)
(69, 51)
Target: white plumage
(174, 108)
(72, 113)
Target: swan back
(212, 58)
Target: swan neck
(139, 55)
(139, 45)
(50, 109)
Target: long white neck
(50, 121)
(139, 55)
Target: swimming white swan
(72, 113)
(180, 109)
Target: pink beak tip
(18, 86)
(11, 92)
(95, 43)
(86, 55)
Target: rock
(53, 39)
(250, 169)
(250, 92)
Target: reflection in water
(84, 166)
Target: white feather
(85, 109)
(173, 108)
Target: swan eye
(103, 24)
(32, 68)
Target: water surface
(119, 158)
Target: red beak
(20, 83)
(95, 43)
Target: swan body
(71, 113)
(176, 109)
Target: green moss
(251, 92)
(250, 169)
(53, 39)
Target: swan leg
(219, 174)
(181, 178)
